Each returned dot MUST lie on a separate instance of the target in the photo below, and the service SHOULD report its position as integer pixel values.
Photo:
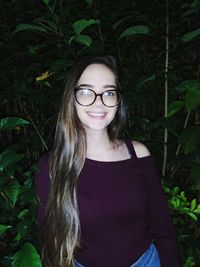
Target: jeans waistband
(150, 258)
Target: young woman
(101, 201)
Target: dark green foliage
(17, 202)
(41, 40)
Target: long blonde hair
(61, 231)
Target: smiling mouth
(96, 115)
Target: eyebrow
(91, 86)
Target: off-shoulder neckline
(90, 161)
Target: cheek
(81, 114)
(79, 110)
(113, 113)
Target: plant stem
(35, 127)
(166, 89)
(100, 32)
(50, 29)
(175, 168)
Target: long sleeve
(159, 217)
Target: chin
(96, 126)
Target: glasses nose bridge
(101, 97)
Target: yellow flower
(43, 76)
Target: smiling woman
(96, 101)
(101, 199)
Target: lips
(96, 115)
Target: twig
(166, 89)
(35, 127)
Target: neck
(97, 143)
(99, 147)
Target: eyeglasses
(86, 97)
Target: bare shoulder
(140, 149)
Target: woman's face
(99, 79)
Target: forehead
(97, 73)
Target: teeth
(97, 114)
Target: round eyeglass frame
(119, 95)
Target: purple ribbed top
(122, 209)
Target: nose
(98, 101)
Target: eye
(110, 93)
(85, 92)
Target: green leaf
(193, 216)
(193, 204)
(4, 228)
(187, 85)
(192, 98)
(89, 2)
(175, 190)
(174, 107)
(11, 123)
(9, 158)
(28, 196)
(24, 227)
(197, 210)
(191, 133)
(185, 210)
(120, 21)
(18, 237)
(81, 24)
(166, 189)
(175, 202)
(190, 147)
(12, 191)
(183, 197)
(23, 213)
(46, 1)
(133, 30)
(144, 79)
(27, 256)
(83, 39)
(60, 64)
(190, 35)
(29, 27)
(189, 262)
(195, 6)
(32, 49)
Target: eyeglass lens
(87, 97)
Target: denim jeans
(149, 259)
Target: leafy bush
(17, 203)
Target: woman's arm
(159, 218)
